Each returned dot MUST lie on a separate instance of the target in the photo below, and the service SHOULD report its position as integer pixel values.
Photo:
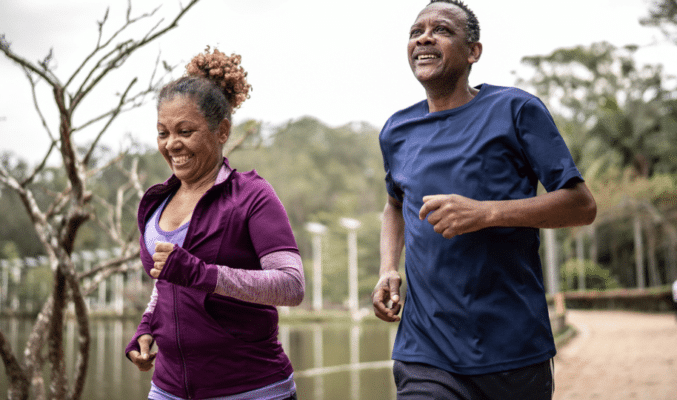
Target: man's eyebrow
(437, 20)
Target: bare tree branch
(235, 143)
(106, 266)
(40, 166)
(134, 101)
(114, 113)
(18, 380)
(37, 217)
(58, 205)
(123, 51)
(44, 73)
(36, 105)
(100, 46)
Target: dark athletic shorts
(421, 381)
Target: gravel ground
(618, 355)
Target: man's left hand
(452, 214)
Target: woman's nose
(173, 142)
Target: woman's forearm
(279, 283)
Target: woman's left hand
(162, 251)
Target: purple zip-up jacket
(211, 345)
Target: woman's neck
(200, 186)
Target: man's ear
(224, 130)
(475, 52)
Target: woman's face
(184, 139)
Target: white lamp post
(317, 230)
(551, 260)
(352, 225)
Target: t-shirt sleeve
(544, 147)
(391, 187)
(269, 226)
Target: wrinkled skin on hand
(143, 359)
(387, 289)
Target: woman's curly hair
(216, 82)
(226, 72)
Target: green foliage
(15, 225)
(596, 276)
(35, 288)
(9, 250)
(612, 112)
(663, 15)
(614, 186)
(619, 120)
(322, 174)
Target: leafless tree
(57, 224)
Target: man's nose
(426, 38)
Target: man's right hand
(387, 289)
(144, 359)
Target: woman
(219, 244)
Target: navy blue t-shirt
(475, 303)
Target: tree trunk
(580, 257)
(57, 385)
(651, 248)
(594, 244)
(18, 381)
(639, 250)
(32, 354)
(82, 318)
(671, 252)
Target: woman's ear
(224, 130)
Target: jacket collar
(157, 193)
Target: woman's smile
(180, 160)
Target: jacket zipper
(176, 310)
(178, 343)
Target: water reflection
(331, 360)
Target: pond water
(332, 361)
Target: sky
(340, 61)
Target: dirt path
(618, 355)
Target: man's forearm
(561, 208)
(392, 236)
(453, 215)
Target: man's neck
(445, 98)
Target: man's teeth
(426, 56)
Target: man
(462, 169)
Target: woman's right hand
(144, 359)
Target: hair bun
(224, 71)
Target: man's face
(438, 49)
